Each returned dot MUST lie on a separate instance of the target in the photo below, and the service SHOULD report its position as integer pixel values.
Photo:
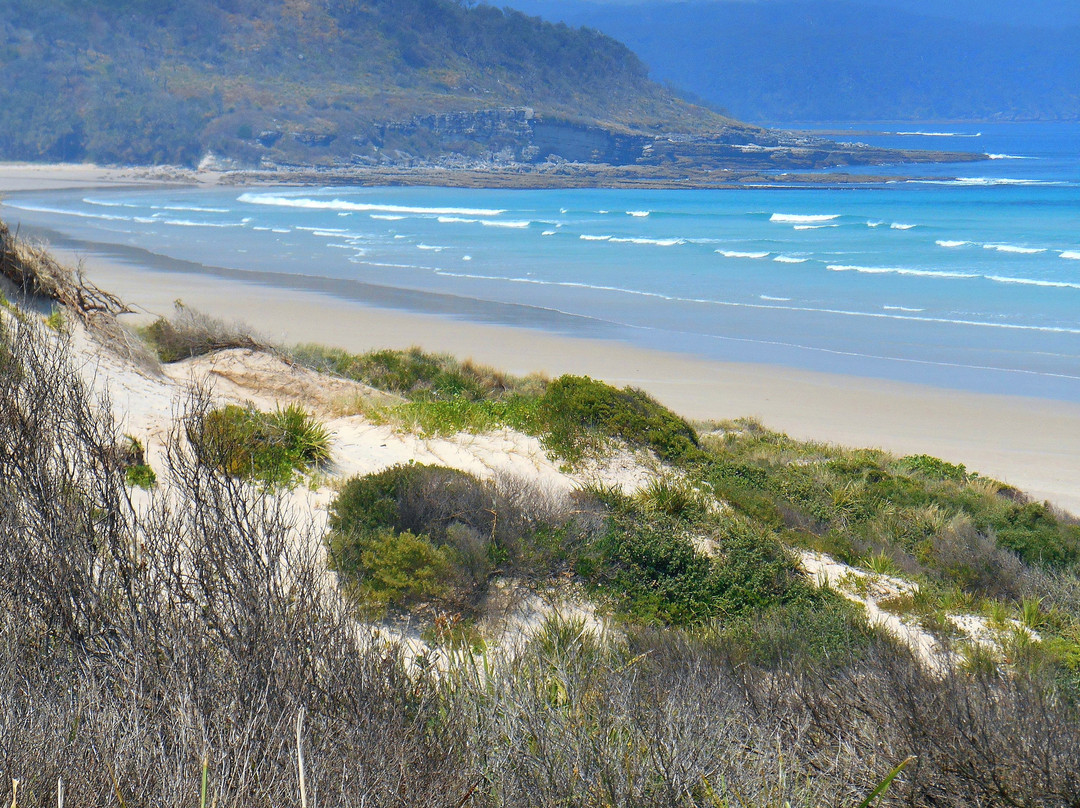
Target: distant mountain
(152, 81)
(804, 60)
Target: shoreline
(1032, 444)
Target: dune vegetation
(210, 640)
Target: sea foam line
(927, 273)
(1013, 248)
(1070, 255)
(951, 244)
(62, 212)
(341, 204)
(798, 218)
(936, 134)
(787, 259)
(737, 254)
(485, 222)
(1032, 282)
(910, 317)
(657, 242)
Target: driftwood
(35, 272)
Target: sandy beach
(1032, 444)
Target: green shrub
(140, 476)
(824, 632)
(578, 415)
(935, 469)
(653, 572)
(55, 321)
(1031, 531)
(267, 447)
(399, 569)
(476, 525)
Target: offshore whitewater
(971, 283)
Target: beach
(1030, 443)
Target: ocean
(969, 283)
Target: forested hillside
(155, 81)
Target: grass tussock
(268, 447)
(418, 375)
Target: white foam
(548, 233)
(594, 238)
(658, 242)
(1008, 157)
(1013, 248)
(924, 273)
(899, 226)
(429, 247)
(193, 208)
(640, 214)
(386, 217)
(466, 258)
(948, 243)
(798, 218)
(737, 254)
(787, 259)
(893, 315)
(281, 230)
(937, 134)
(486, 222)
(986, 181)
(1032, 282)
(63, 212)
(874, 224)
(105, 204)
(341, 204)
(813, 226)
(776, 299)
(1070, 255)
(901, 308)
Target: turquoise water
(970, 283)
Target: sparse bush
(478, 525)
(189, 333)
